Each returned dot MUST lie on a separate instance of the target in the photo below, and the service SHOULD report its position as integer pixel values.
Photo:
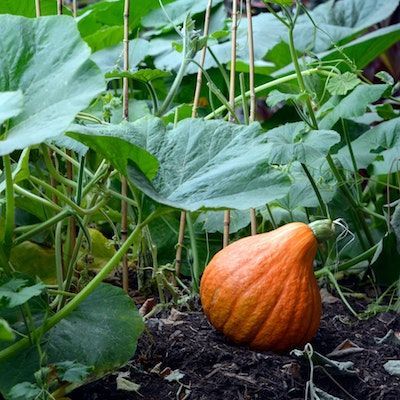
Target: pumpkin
(261, 291)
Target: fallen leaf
(345, 348)
(392, 367)
(327, 298)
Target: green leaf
(206, 164)
(15, 292)
(338, 20)
(176, 13)
(47, 60)
(280, 2)
(366, 48)
(111, 58)
(354, 104)
(10, 104)
(72, 371)
(24, 391)
(294, 142)
(395, 223)
(379, 147)
(105, 37)
(111, 325)
(385, 77)
(143, 75)
(115, 143)
(20, 170)
(340, 85)
(386, 111)
(275, 97)
(213, 221)
(6, 333)
(26, 8)
(392, 367)
(386, 261)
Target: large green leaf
(111, 325)
(294, 142)
(104, 14)
(11, 104)
(360, 51)
(338, 20)
(27, 8)
(353, 105)
(176, 13)
(379, 147)
(47, 60)
(111, 58)
(366, 48)
(210, 164)
(115, 143)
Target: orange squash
(261, 291)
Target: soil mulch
(181, 357)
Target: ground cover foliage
(94, 177)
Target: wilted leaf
(392, 367)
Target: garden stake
(182, 222)
(74, 8)
(124, 184)
(250, 38)
(37, 8)
(59, 7)
(227, 214)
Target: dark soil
(182, 357)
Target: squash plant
(325, 145)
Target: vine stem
(125, 111)
(341, 180)
(80, 297)
(196, 99)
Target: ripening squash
(261, 291)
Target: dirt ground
(180, 356)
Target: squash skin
(261, 291)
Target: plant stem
(34, 197)
(316, 190)
(125, 111)
(261, 88)
(43, 226)
(8, 232)
(348, 264)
